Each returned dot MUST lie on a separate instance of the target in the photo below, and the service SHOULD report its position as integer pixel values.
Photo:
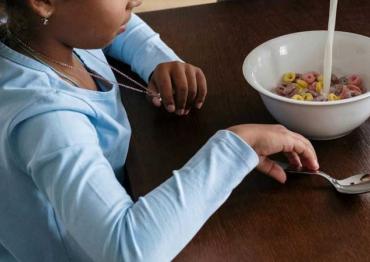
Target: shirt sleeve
(60, 151)
(140, 47)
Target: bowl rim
(270, 94)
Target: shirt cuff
(161, 53)
(246, 153)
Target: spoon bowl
(356, 184)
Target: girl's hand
(181, 86)
(271, 139)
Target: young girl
(64, 134)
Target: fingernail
(180, 112)
(171, 108)
(199, 105)
(156, 101)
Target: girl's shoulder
(25, 93)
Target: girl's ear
(43, 8)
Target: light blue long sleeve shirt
(61, 148)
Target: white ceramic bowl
(303, 52)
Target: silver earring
(45, 20)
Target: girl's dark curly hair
(14, 10)
(2, 9)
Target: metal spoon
(356, 184)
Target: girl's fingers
(202, 89)
(192, 87)
(305, 140)
(312, 162)
(152, 97)
(293, 159)
(181, 88)
(270, 168)
(163, 82)
(306, 154)
(180, 85)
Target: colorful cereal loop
(302, 83)
(309, 78)
(289, 77)
(333, 97)
(298, 97)
(307, 97)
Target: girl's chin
(121, 29)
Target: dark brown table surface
(304, 220)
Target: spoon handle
(297, 170)
(293, 170)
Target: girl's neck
(45, 45)
(53, 49)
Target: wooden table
(304, 220)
